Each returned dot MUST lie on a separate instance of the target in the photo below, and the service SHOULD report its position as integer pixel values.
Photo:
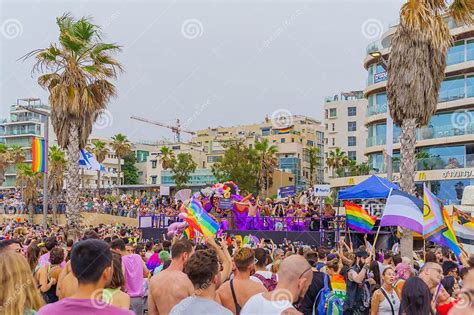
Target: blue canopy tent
(373, 187)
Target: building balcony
(15, 132)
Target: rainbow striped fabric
(432, 214)
(284, 131)
(358, 219)
(39, 155)
(447, 236)
(200, 220)
(463, 219)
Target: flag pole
(375, 239)
(424, 250)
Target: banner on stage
(225, 203)
(286, 191)
(322, 190)
(164, 190)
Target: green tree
(29, 182)
(415, 71)
(313, 153)
(337, 160)
(56, 168)
(121, 146)
(100, 150)
(182, 167)
(130, 172)
(76, 72)
(166, 157)
(268, 163)
(239, 164)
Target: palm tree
(100, 150)
(268, 163)
(56, 168)
(4, 161)
(167, 157)
(313, 162)
(415, 71)
(76, 72)
(121, 146)
(16, 154)
(29, 181)
(336, 161)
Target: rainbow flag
(39, 155)
(200, 220)
(358, 219)
(284, 131)
(432, 214)
(447, 236)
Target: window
(153, 179)
(351, 111)
(351, 126)
(265, 132)
(332, 112)
(282, 140)
(292, 139)
(213, 158)
(176, 147)
(352, 155)
(325, 140)
(327, 127)
(153, 163)
(326, 114)
(351, 141)
(250, 146)
(333, 127)
(333, 141)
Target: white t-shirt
(198, 305)
(265, 274)
(257, 304)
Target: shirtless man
(243, 287)
(171, 285)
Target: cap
(330, 257)
(362, 253)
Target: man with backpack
(358, 293)
(261, 275)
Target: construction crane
(175, 129)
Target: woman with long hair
(18, 294)
(32, 256)
(49, 275)
(385, 300)
(338, 283)
(113, 293)
(416, 298)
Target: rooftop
(345, 96)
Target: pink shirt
(82, 307)
(44, 260)
(133, 266)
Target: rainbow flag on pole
(358, 219)
(432, 214)
(200, 220)
(447, 236)
(39, 155)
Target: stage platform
(311, 238)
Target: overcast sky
(209, 63)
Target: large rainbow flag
(39, 155)
(447, 236)
(200, 220)
(358, 219)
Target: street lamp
(45, 178)
(379, 58)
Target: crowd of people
(112, 270)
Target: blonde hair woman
(18, 294)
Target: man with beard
(358, 292)
(202, 268)
(294, 278)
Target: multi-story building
(445, 147)
(142, 153)
(344, 124)
(293, 144)
(20, 129)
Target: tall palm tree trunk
(31, 211)
(73, 202)
(2, 175)
(82, 178)
(54, 204)
(98, 179)
(119, 181)
(407, 178)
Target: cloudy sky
(208, 63)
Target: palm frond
(461, 11)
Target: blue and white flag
(403, 210)
(87, 160)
